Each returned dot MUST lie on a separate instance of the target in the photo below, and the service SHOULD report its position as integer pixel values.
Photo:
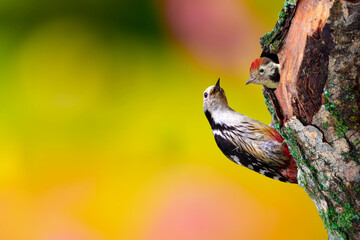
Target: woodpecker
(246, 141)
(264, 71)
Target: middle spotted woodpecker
(264, 71)
(246, 141)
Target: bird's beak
(251, 80)
(217, 86)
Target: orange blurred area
(102, 132)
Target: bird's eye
(205, 95)
(261, 70)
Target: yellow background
(102, 132)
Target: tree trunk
(316, 106)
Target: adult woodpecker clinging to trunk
(246, 141)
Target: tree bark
(316, 106)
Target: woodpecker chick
(246, 141)
(264, 71)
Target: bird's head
(264, 71)
(214, 98)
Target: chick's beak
(251, 80)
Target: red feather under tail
(291, 171)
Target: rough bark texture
(316, 106)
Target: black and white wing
(241, 157)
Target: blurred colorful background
(102, 132)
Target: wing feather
(259, 140)
(247, 160)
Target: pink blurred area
(205, 206)
(219, 33)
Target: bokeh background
(102, 133)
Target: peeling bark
(316, 106)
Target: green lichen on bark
(341, 223)
(335, 201)
(271, 41)
(275, 122)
